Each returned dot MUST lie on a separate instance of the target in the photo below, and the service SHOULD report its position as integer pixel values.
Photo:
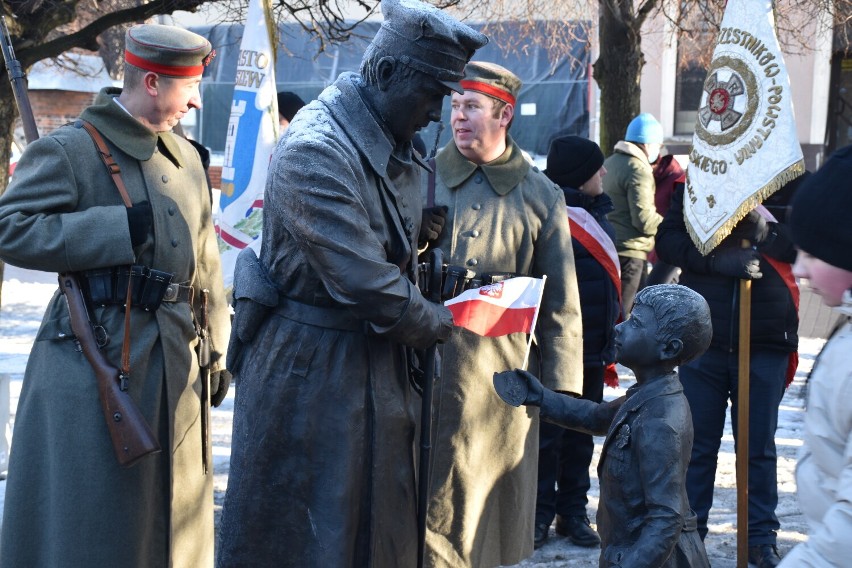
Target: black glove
(220, 381)
(433, 223)
(753, 228)
(737, 263)
(536, 389)
(140, 219)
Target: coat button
(476, 206)
(474, 233)
(477, 179)
(174, 243)
(472, 262)
(165, 178)
(171, 211)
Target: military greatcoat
(505, 216)
(322, 462)
(68, 503)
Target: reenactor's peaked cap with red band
(167, 50)
(492, 80)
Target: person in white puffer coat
(824, 469)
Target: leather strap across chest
(108, 160)
(115, 172)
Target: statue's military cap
(428, 40)
(167, 50)
(492, 80)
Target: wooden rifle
(131, 436)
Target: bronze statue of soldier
(322, 463)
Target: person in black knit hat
(576, 165)
(289, 104)
(572, 161)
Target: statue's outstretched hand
(519, 387)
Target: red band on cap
(172, 70)
(489, 90)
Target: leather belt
(178, 293)
(330, 318)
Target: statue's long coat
(505, 216)
(322, 463)
(68, 503)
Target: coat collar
(658, 386)
(128, 134)
(504, 173)
(845, 306)
(348, 106)
(639, 394)
(631, 149)
(596, 204)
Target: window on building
(688, 89)
(693, 58)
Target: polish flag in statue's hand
(510, 306)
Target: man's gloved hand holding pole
(743, 263)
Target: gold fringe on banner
(756, 198)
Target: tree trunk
(618, 70)
(8, 113)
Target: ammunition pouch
(456, 279)
(149, 287)
(254, 298)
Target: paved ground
(26, 293)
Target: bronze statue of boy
(644, 517)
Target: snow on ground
(25, 295)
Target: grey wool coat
(322, 463)
(68, 503)
(505, 216)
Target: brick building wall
(52, 108)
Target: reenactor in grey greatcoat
(68, 502)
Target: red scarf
(785, 271)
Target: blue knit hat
(645, 129)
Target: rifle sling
(115, 172)
(110, 163)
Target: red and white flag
(510, 306)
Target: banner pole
(743, 423)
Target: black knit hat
(822, 208)
(572, 161)
(289, 104)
